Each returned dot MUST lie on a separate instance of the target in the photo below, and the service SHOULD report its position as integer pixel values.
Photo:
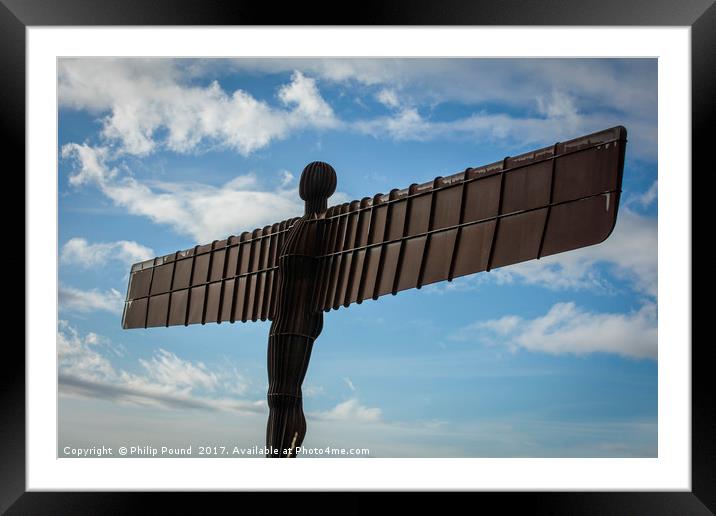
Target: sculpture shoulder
(303, 238)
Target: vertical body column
(296, 324)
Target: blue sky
(551, 358)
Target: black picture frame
(700, 15)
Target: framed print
(169, 162)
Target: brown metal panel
(406, 222)
(342, 281)
(265, 248)
(347, 265)
(162, 279)
(213, 299)
(259, 295)
(135, 313)
(139, 284)
(335, 267)
(364, 222)
(279, 245)
(591, 140)
(390, 253)
(218, 260)
(396, 224)
(268, 295)
(251, 284)
(333, 281)
(195, 313)
(352, 224)
(482, 198)
(265, 303)
(255, 249)
(326, 262)
(447, 207)
(587, 172)
(227, 302)
(527, 187)
(355, 283)
(273, 246)
(431, 222)
(410, 265)
(473, 249)
(232, 260)
(356, 270)
(461, 216)
(378, 216)
(158, 309)
(201, 269)
(580, 223)
(419, 214)
(334, 243)
(182, 273)
(375, 227)
(239, 299)
(244, 255)
(370, 273)
(201, 249)
(439, 255)
(518, 238)
(177, 307)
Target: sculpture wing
(544, 202)
(227, 280)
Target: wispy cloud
(624, 91)
(645, 199)
(349, 410)
(76, 300)
(349, 383)
(566, 328)
(166, 380)
(202, 211)
(78, 251)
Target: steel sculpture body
(544, 202)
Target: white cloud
(78, 251)
(77, 354)
(311, 391)
(168, 369)
(565, 328)
(349, 383)
(83, 301)
(167, 381)
(202, 211)
(349, 410)
(388, 98)
(624, 88)
(286, 178)
(557, 118)
(149, 98)
(152, 103)
(645, 199)
(302, 94)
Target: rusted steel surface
(296, 324)
(228, 280)
(544, 202)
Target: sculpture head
(317, 184)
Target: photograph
(357, 257)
